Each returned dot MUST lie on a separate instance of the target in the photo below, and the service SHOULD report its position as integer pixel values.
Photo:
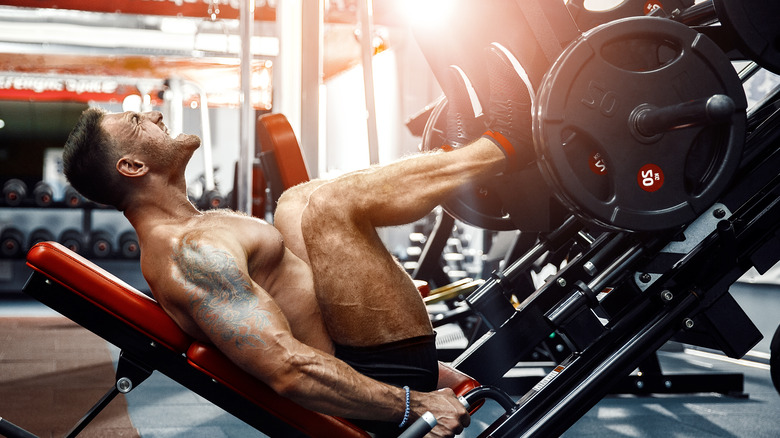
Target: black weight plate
(587, 19)
(476, 205)
(754, 23)
(586, 149)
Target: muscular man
(312, 305)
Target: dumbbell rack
(57, 216)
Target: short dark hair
(89, 161)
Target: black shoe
(509, 107)
(462, 126)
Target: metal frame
(682, 291)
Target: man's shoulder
(226, 214)
(228, 221)
(214, 232)
(226, 229)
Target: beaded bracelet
(408, 408)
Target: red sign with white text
(265, 10)
(43, 88)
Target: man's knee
(295, 195)
(324, 211)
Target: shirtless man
(311, 305)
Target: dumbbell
(43, 194)
(100, 244)
(39, 235)
(14, 192)
(73, 239)
(212, 199)
(128, 245)
(11, 242)
(72, 198)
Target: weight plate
(590, 152)
(476, 205)
(754, 23)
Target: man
(314, 305)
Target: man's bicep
(221, 298)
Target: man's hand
(450, 414)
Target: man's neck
(149, 211)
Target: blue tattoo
(220, 296)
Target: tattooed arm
(243, 321)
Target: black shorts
(410, 362)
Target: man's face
(146, 133)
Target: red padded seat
(108, 292)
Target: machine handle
(424, 424)
(419, 428)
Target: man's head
(106, 151)
(89, 160)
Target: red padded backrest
(107, 292)
(276, 135)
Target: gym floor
(160, 408)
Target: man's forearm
(325, 384)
